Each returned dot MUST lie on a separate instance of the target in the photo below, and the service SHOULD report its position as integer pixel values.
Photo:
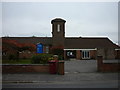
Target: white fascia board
(80, 49)
(117, 49)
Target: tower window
(58, 27)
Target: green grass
(21, 61)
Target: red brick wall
(25, 68)
(78, 54)
(65, 55)
(107, 67)
(44, 49)
(110, 67)
(117, 54)
(9, 52)
(93, 54)
(26, 54)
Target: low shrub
(12, 57)
(60, 57)
(59, 52)
(41, 58)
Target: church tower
(58, 32)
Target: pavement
(78, 74)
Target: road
(80, 84)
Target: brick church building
(74, 47)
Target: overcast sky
(85, 19)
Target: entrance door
(85, 54)
(71, 54)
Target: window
(4, 53)
(47, 49)
(86, 54)
(71, 54)
(58, 27)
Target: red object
(53, 66)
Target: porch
(80, 54)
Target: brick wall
(65, 57)
(117, 54)
(107, 67)
(93, 54)
(26, 54)
(100, 52)
(107, 53)
(110, 53)
(78, 54)
(25, 68)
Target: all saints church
(79, 48)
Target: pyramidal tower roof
(58, 20)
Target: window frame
(58, 27)
(85, 54)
